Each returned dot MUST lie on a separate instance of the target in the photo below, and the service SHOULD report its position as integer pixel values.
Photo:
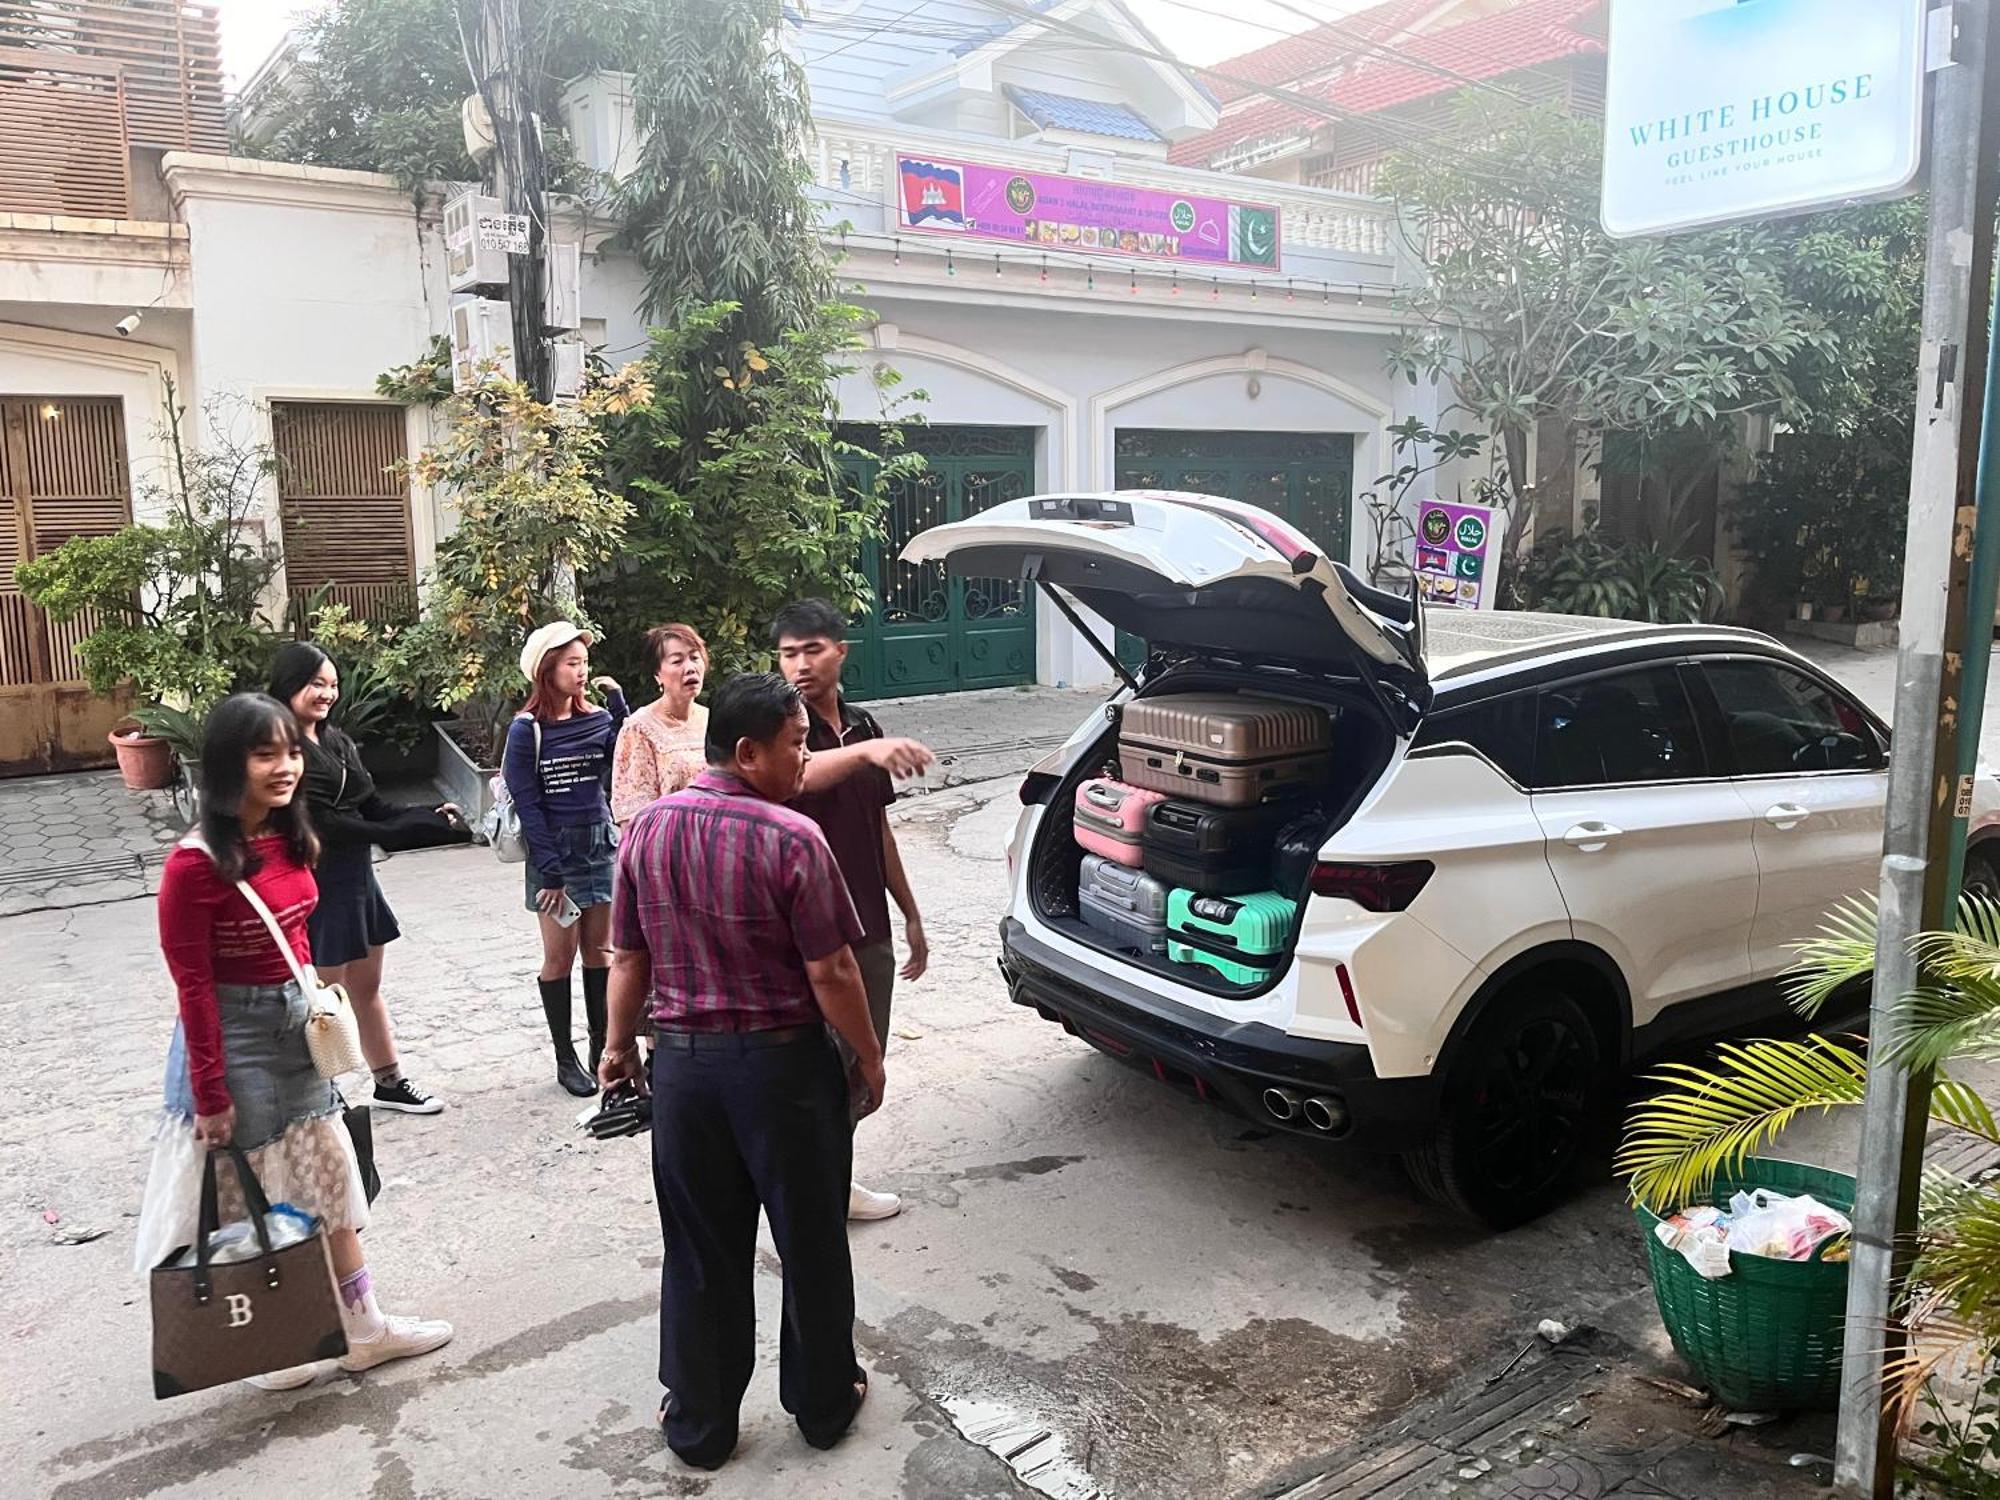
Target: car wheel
(1518, 1111)
(1982, 876)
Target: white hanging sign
(507, 233)
(1722, 110)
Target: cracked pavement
(1119, 1289)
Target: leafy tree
(377, 85)
(1825, 517)
(1532, 312)
(175, 603)
(533, 513)
(736, 521)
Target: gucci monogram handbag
(214, 1322)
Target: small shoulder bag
(502, 823)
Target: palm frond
(1959, 1017)
(1941, 1341)
(1979, 920)
(1959, 1265)
(1707, 1120)
(1842, 953)
(1959, 1104)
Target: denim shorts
(588, 856)
(269, 1072)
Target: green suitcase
(1241, 937)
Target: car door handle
(1786, 814)
(1593, 836)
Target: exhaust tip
(1328, 1116)
(1281, 1104)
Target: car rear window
(1501, 729)
(1616, 729)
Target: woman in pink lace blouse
(660, 749)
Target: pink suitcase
(1110, 816)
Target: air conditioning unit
(467, 264)
(562, 300)
(566, 370)
(482, 330)
(597, 112)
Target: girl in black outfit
(352, 923)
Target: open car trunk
(1364, 743)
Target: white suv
(1554, 845)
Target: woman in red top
(239, 1069)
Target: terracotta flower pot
(146, 764)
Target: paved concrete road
(1124, 1288)
(1117, 1288)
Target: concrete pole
(1918, 886)
(520, 181)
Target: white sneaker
(400, 1338)
(864, 1205)
(292, 1379)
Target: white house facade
(1088, 350)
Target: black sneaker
(406, 1097)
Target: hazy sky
(1198, 30)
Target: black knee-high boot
(556, 1006)
(596, 984)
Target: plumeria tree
(525, 479)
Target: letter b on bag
(240, 1312)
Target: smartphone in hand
(567, 912)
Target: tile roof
(1536, 31)
(1291, 58)
(1064, 112)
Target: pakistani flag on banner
(1253, 235)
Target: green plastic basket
(1766, 1337)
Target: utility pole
(520, 181)
(1941, 624)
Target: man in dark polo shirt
(731, 928)
(848, 788)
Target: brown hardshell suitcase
(1223, 748)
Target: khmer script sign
(1721, 110)
(1086, 215)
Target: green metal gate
(1305, 477)
(931, 633)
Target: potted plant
(1704, 1132)
(145, 761)
(175, 600)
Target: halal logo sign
(1471, 533)
(1436, 526)
(1021, 195)
(1181, 216)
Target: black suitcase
(1217, 851)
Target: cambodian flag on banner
(933, 193)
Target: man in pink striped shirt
(732, 928)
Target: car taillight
(1373, 887)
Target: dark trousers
(736, 1127)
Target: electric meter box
(566, 370)
(467, 263)
(482, 330)
(562, 302)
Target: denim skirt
(589, 855)
(269, 1071)
(353, 915)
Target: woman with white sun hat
(557, 766)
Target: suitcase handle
(1104, 797)
(1173, 817)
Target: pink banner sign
(1084, 215)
